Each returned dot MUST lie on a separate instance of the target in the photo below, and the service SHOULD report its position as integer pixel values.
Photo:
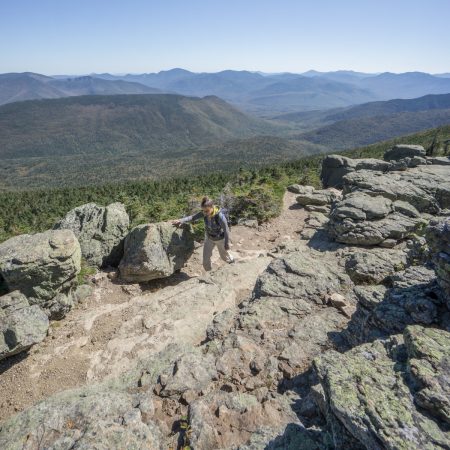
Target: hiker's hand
(176, 223)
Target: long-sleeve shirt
(211, 225)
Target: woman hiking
(217, 232)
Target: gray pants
(207, 252)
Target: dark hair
(206, 201)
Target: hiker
(217, 232)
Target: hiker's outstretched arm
(226, 230)
(192, 218)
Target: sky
(135, 36)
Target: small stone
(337, 300)
(189, 396)
(113, 275)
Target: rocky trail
(121, 322)
(330, 331)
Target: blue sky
(122, 36)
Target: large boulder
(438, 238)
(390, 395)
(439, 160)
(425, 187)
(300, 189)
(44, 267)
(155, 250)
(362, 219)
(335, 167)
(320, 197)
(21, 325)
(401, 151)
(100, 231)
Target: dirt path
(121, 323)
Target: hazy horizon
(218, 71)
(98, 36)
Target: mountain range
(91, 139)
(346, 128)
(314, 119)
(16, 87)
(266, 95)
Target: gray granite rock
(319, 197)
(44, 267)
(401, 151)
(100, 231)
(300, 189)
(389, 395)
(362, 219)
(335, 167)
(374, 266)
(412, 298)
(438, 237)
(155, 250)
(21, 325)
(425, 187)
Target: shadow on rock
(296, 437)
(296, 206)
(412, 297)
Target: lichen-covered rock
(428, 366)
(369, 392)
(297, 275)
(221, 324)
(21, 325)
(374, 266)
(115, 414)
(439, 160)
(424, 187)
(155, 250)
(438, 237)
(300, 189)
(85, 418)
(190, 372)
(44, 267)
(401, 151)
(319, 197)
(335, 167)
(362, 219)
(100, 231)
(408, 162)
(289, 317)
(224, 420)
(413, 298)
(293, 437)
(314, 222)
